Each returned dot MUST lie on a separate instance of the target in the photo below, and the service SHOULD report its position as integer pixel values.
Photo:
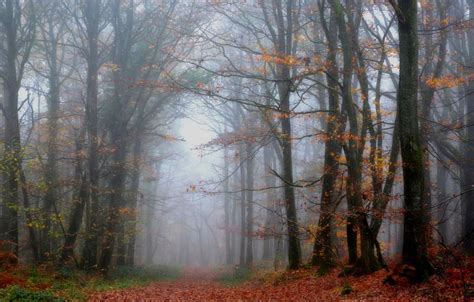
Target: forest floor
(303, 285)
(228, 284)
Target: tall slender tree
(416, 220)
(18, 28)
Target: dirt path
(201, 285)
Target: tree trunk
(242, 210)
(79, 201)
(351, 233)
(14, 29)
(443, 215)
(233, 224)
(468, 164)
(323, 250)
(115, 218)
(294, 248)
(416, 222)
(279, 238)
(51, 173)
(134, 202)
(353, 149)
(427, 92)
(12, 151)
(227, 210)
(270, 182)
(92, 15)
(149, 215)
(249, 201)
(282, 39)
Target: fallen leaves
(302, 285)
(7, 279)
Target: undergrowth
(235, 277)
(41, 284)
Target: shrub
(346, 289)
(239, 275)
(154, 273)
(16, 293)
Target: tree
(52, 32)
(18, 27)
(282, 31)
(123, 24)
(416, 219)
(323, 250)
(91, 23)
(249, 186)
(354, 62)
(468, 164)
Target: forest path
(201, 285)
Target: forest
(236, 150)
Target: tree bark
(468, 161)
(353, 149)
(323, 249)
(433, 69)
(270, 219)
(443, 215)
(227, 210)
(123, 25)
(249, 202)
(134, 202)
(51, 173)
(416, 222)
(16, 55)
(114, 217)
(92, 13)
(79, 202)
(243, 235)
(149, 241)
(282, 39)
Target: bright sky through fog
(194, 134)
(195, 165)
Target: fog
(268, 134)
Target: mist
(238, 139)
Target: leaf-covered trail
(201, 285)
